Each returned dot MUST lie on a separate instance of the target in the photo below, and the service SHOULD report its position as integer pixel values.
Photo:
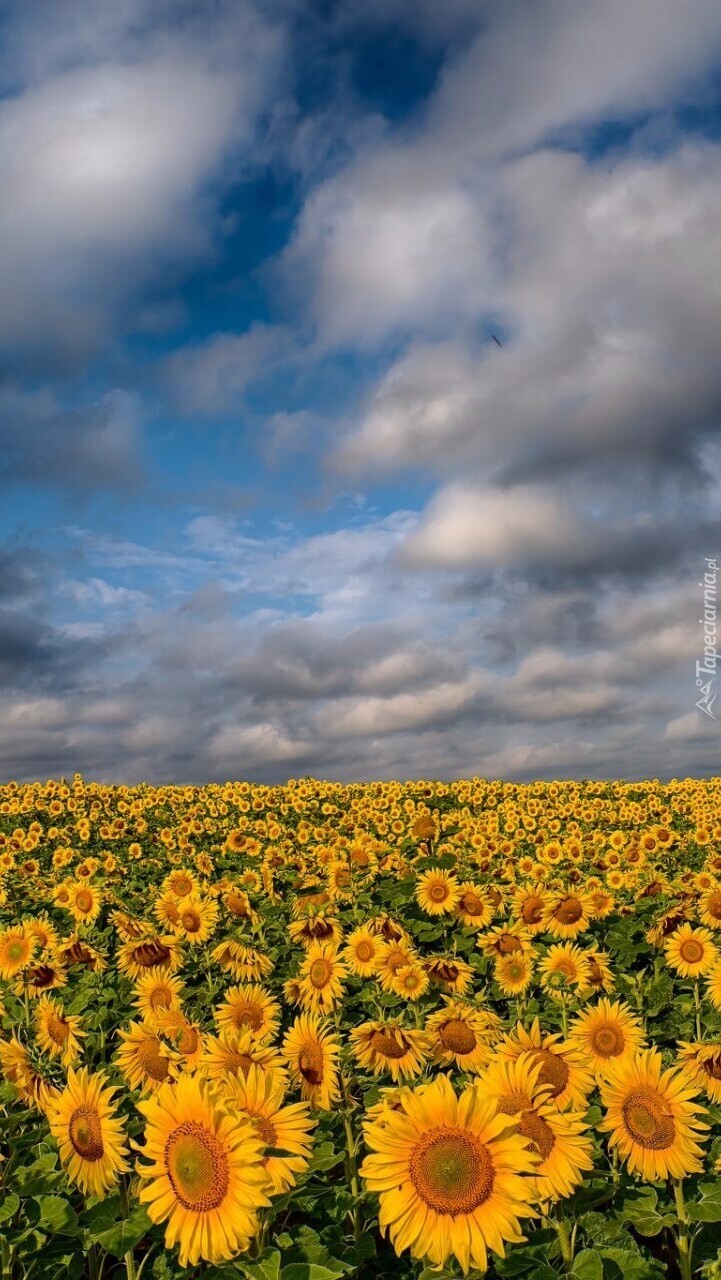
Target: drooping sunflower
(702, 1063)
(43, 975)
(600, 976)
(155, 994)
(75, 951)
(58, 1033)
(320, 928)
(197, 919)
(283, 1128)
(18, 1070)
(559, 1137)
(246, 964)
(166, 910)
(653, 1117)
(437, 891)
(690, 951)
(567, 913)
(185, 1036)
(504, 940)
(450, 974)
(205, 1175)
(449, 1172)
(529, 906)
(85, 1123)
(235, 1054)
(17, 946)
(248, 1008)
(321, 978)
(361, 951)
(311, 1052)
(463, 1034)
(473, 908)
(137, 958)
(605, 1033)
(563, 1068)
(144, 1058)
(385, 1046)
(513, 973)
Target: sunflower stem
(129, 1258)
(683, 1237)
(697, 1006)
(565, 1242)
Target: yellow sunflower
(320, 928)
(450, 974)
(411, 982)
(181, 883)
(560, 1138)
(529, 907)
(17, 945)
(155, 993)
(58, 1033)
(138, 957)
(197, 919)
(205, 1175)
(285, 1129)
(564, 967)
(144, 1059)
(473, 908)
(384, 1046)
(246, 964)
(449, 1173)
(311, 1053)
(709, 907)
(84, 902)
(606, 1033)
(248, 1008)
(653, 1117)
(361, 951)
(567, 914)
(513, 973)
(43, 975)
(84, 1121)
(563, 1068)
(690, 951)
(321, 978)
(462, 1034)
(702, 1062)
(437, 891)
(185, 1036)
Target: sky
(359, 387)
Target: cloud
(212, 376)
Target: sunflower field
(324, 1030)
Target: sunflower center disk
(608, 1041)
(320, 973)
(310, 1064)
(532, 911)
(457, 1036)
(190, 920)
(150, 1059)
(438, 893)
(248, 1015)
(197, 1167)
(554, 1071)
(364, 952)
(57, 1029)
(691, 950)
(646, 1120)
(539, 1131)
(86, 1134)
(385, 1043)
(452, 1171)
(569, 911)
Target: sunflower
(606, 1033)
(166, 910)
(450, 974)
(384, 1046)
(449, 1172)
(237, 902)
(702, 1062)
(567, 914)
(564, 967)
(311, 1053)
(155, 993)
(361, 951)
(84, 902)
(473, 908)
(437, 892)
(393, 957)
(74, 951)
(529, 906)
(205, 1175)
(181, 883)
(84, 1121)
(18, 1071)
(690, 951)
(563, 1068)
(136, 958)
(559, 1137)
(653, 1117)
(411, 983)
(17, 946)
(43, 975)
(234, 1055)
(286, 1129)
(58, 1033)
(43, 931)
(144, 1059)
(248, 1008)
(198, 918)
(599, 977)
(513, 973)
(504, 940)
(709, 907)
(321, 978)
(186, 1037)
(462, 1034)
(320, 928)
(246, 964)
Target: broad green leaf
(708, 1208)
(9, 1207)
(587, 1265)
(124, 1235)
(57, 1215)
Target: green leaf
(708, 1208)
(266, 1267)
(642, 1213)
(57, 1215)
(587, 1265)
(620, 1264)
(312, 1271)
(124, 1235)
(324, 1157)
(9, 1207)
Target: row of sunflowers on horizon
(368, 1027)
